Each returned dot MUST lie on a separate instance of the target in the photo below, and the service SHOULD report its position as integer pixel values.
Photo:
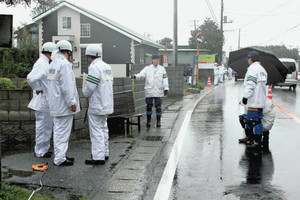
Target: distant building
(31, 30)
(185, 55)
(81, 27)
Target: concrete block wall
(17, 121)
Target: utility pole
(221, 26)
(195, 23)
(175, 41)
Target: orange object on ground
(39, 167)
(270, 93)
(208, 82)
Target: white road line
(165, 184)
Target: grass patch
(198, 86)
(9, 192)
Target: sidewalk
(120, 178)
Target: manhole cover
(153, 138)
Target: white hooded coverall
(43, 120)
(229, 73)
(221, 73)
(255, 86)
(62, 95)
(216, 75)
(156, 80)
(99, 89)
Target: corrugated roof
(104, 20)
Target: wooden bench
(124, 113)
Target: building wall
(50, 27)
(184, 57)
(116, 46)
(73, 31)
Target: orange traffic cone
(269, 93)
(208, 82)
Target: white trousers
(99, 136)
(43, 132)
(61, 135)
(221, 78)
(216, 79)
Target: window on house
(85, 30)
(66, 22)
(84, 62)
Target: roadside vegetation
(197, 86)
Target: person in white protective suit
(229, 71)
(156, 87)
(221, 73)
(99, 90)
(43, 120)
(254, 97)
(216, 74)
(63, 100)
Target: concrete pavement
(122, 177)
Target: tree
(212, 37)
(15, 2)
(43, 6)
(165, 41)
(281, 51)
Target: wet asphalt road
(213, 165)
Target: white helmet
(93, 50)
(64, 45)
(48, 47)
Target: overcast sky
(262, 22)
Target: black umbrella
(277, 71)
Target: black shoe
(70, 159)
(244, 140)
(158, 124)
(46, 155)
(94, 162)
(106, 157)
(66, 163)
(253, 145)
(148, 123)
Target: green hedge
(5, 83)
(25, 85)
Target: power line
(283, 33)
(211, 10)
(266, 14)
(249, 15)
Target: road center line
(287, 112)
(165, 184)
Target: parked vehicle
(237, 76)
(292, 76)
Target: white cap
(64, 45)
(48, 47)
(93, 50)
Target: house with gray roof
(81, 27)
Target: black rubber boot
(148, 121)
(248, 136)
(158, 124)
(256, 143)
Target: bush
(5, 83)
(25, 85)
(199, 86)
